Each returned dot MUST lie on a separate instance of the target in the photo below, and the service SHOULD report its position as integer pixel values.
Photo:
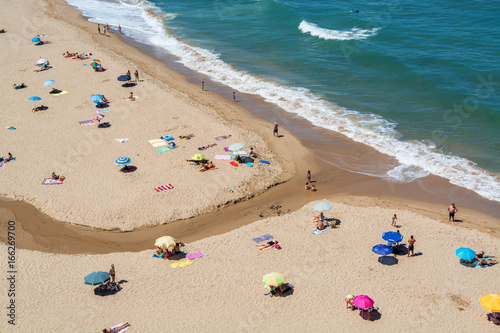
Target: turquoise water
(417, 81)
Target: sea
(417, 81)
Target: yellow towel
(181, 264)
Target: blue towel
(317, 231)
(262, 238)
(167, 137)
(265, 162)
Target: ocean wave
(354, 33)
(418, 159)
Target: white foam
(354, 33)
(369, 129)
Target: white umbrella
(41, 61)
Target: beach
(99, 215)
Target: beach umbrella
(198, 157)
(48, 83)
(96, 97)
(393, 237)
(95, 63)
(122, 160)
(273, 279)
(95, 278)
(98, 117)
(165, 241)
(322, 206)
(34, 98)
(382, 249)
(236, 146)
(123, 78)
(465, 253)
(35, 40)
(362, 302)
(41, 61)
(491, 302)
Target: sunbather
(9, 158)
(494, 317)
(273, 243)
(131, 96)
(251, 153)
(55, 91)
(104, 99)
(348, 302)
(42, 42)
(18, 86)
(189, 136)
(115, 329)
(38, 108)
(483, 262)
(205, 167)
(320, 225)
(480, 255)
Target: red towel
(163, 188)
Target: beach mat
(224, 137)
(155, 141)
(317, 231)
(239, 152)
(164, 149)
(262, 238)
(64, 92)
(181, 264)
(102, 110)
(86, 122)
(159, 144)
(50, 181)
(265, 162)
(10, 128)
(249, 164)
(222, 157)
(122, 140)
(192, 256)
(233, 163)
(163, 188)
(211, 169)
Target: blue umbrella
(34, 98)
(35, 40)
(48, 83)
(96, 97)
(382, 249)
(393, 237)
(123, 78)
(322, 206)
(99, 277)
(236, 146)
(465, 253)
(122, 160)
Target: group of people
(348, 301)
(321, 221)
(165, 253)
(105, 27)
(309, 185)
(136, 75)
(57, 177)
(483, 259)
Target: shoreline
(334, 181)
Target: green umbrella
(96, 278)
(273, 279)
(198, 157)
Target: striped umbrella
(273, 279)
(236, 146)
(95, 63)
(122, 160)
(98, 117)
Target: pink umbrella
(98, 117)
(362, 302)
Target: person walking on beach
(309, 175)
(411, 247)
(104, 30)
(452, 209)
(112, 273)
(120, 29)
(394, 220)
(234, 96)
(136, 74)
(99, 28)
(107, 27)
(203, 85)
(275, 132)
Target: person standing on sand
(107, 27)
(104, 30)
(203, 85)
(452, 209)
(234, 96)
(112, 273)
(99, 28)
(136, 74)
(120, 29)
(309, 175)
(394, 220)
(411, 247)
(275, 132)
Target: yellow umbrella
(273, 279)
(165, 241)
(491, 302)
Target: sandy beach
(100, 216)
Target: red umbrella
(362, 302)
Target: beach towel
(213, 168)
(102, 110)
(21, 87)
(233, 163)
(10, 128)
(262, 238)
(87, 64)
(164, 149)
(2, 164)
(317, 231)
(159, 144)
(265, 162)
(163, 188)
(122, 140)
(223, 137)
(42, 36)
(228, 189)
(181, 264)
(239, 152)
(86, 122)
(50, 181)
(249, 164)
(64, 92)
(222, 157)
(192, 256)
(156, 141)
(122, 330)
(167, 137)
